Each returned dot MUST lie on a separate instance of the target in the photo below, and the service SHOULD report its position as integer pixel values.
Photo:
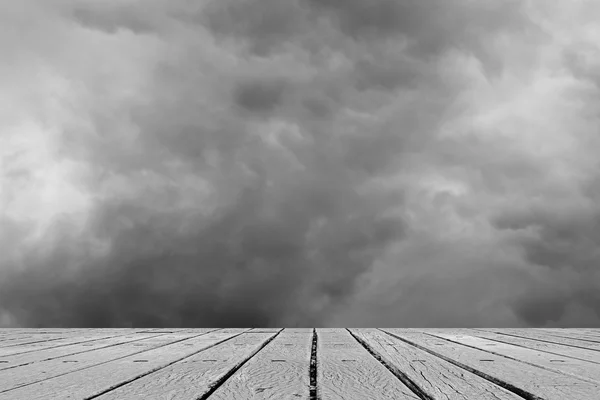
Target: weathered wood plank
(513, 375)
(46, 354)
(576, 368)
(551, 348)
(39, 334)
(571, 333)
(279, 371)
(11, 379)
(15, 333)
(193, 377)
(27, 340)
(437, 378)
(347, 371)
(65, 340)
(587, 331)
(565, 341)
(6, 339)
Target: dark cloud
(388, 74)
(265, 24)
(539, 309)
(379, 17)
(202, 216)
(430, 27)
(254, 263)
(259, 95)
(302, 162)
(561, 250)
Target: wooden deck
(245, 363)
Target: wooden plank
(551, 348)
(15, 360)
(66, 340)
(63, 341)
(15, 333)
(27, 340)
(564, 333)
(41, 335)
(530, 334)
(5, 340)
(576, 368)
(48, 330)
(587, 331)
(346, 370)
(279, 371)
(515, 376)
(195, 376)
(30, 374)
(572, 333)
(433, 376)
(594, 334)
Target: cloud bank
(299, 163)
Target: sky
(329, 163)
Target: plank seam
(79, 352)
(565, 334)
(128, 381)
(570, 337)
(312, 369)
(515, 359)
(518, 391)
(215, 385)
(541, 340)
(534, 349)
(102, 363)
(37, 341)
(69, 344)
(393, 369)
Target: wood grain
(551, 348)
(193, 377)
(121, 364)
(438, 378)
(541, 336)
(576, 368)
(280, 371)
(347, 371)
(574, 333)
(53, 342)
(511, 374)
(51, 353)
(275, 363)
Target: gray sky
(299, 163)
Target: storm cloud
(299, 163)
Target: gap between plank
(538, 339)
(515, 359)
(36, 341)
(105, 362)
(163, 366)
(393, 369)
(518, 391)
(214, 386)
(312, 369)
(75, 353)
(534, 349)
